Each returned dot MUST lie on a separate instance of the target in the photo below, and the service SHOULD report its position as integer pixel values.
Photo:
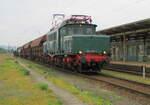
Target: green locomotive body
(86, 44)
(72, 38)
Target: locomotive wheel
(79, 69)
(63, 65)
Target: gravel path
(68, 98)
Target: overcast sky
(23, 20)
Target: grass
(127, 76)
(22, 70)
(86, 96)
(2, 51)
(18, 89)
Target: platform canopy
(138, 26)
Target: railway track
(134, 70)
(138, 88)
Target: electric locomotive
(74, 44)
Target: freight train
(72, 44)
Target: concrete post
(124, 48)
(143, 72)
(144, 39)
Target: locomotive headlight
(80, 52)
(104, 52)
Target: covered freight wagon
(26, 50)
(37, 47)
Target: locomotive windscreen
(78, 29)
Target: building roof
(38, 41)
(142, 24)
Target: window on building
(148, 50)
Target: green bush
(42, 86)
(23, 70)
(26, 72)
(56, 103)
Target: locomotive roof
(64, 24)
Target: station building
(130, 42)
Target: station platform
(139, 64)
(134, 67)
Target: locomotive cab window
(82, 29)
(63, 31)
(52, 36)
(78, 29)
